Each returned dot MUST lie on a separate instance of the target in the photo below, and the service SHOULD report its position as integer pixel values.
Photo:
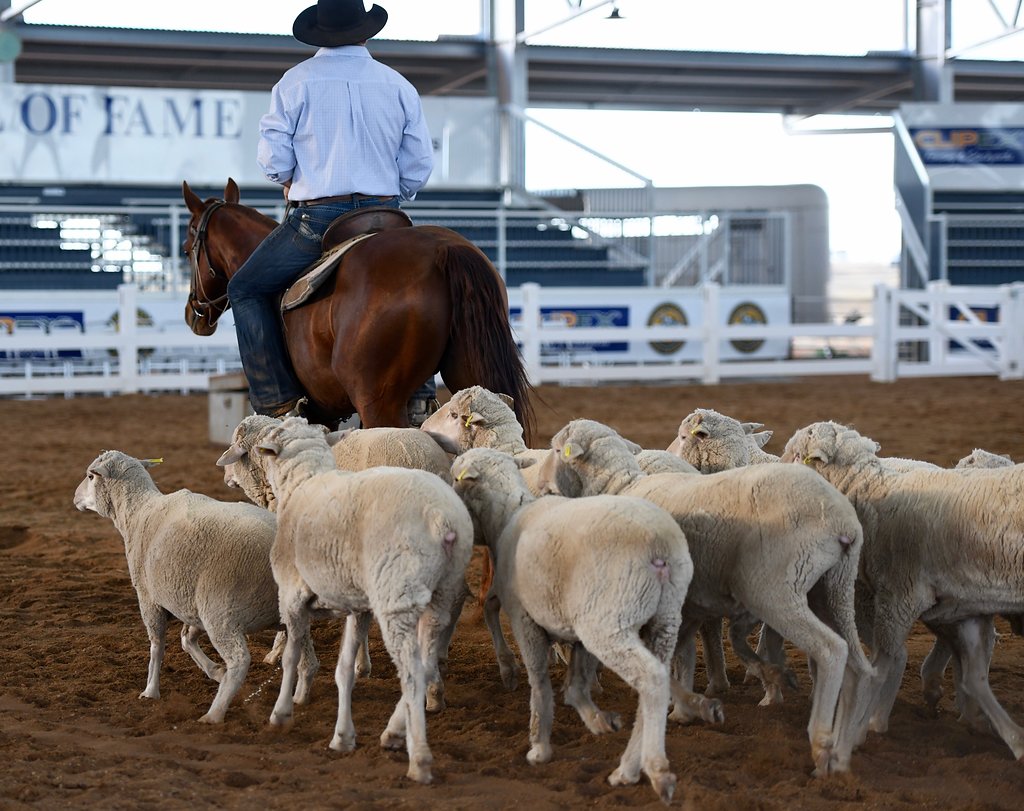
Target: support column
(507, 19)
(8, 40)
(932, 80)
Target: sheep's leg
(772, 676)
(295, 616)
(688, 706)
(399, 631)
(582, 674)
(932, 668)
(437, 624)
(309, 664)
(714, 656)
(534, 645)
(363, 664)
(234, 651)
(274, 654)
(854, 696)
(974, 639)
(344, 739)
(796, 622)
(624, 653)
(190, 644)
(507, 665)
(968, 709)
(155, 619)
(894, 617)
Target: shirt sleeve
(416, 153)
(275, 152)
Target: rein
(198, 303)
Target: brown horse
(405, 304)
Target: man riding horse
(343, 132)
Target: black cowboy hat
(338, 22)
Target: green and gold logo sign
(671, 315)
(747, 313)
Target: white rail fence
(940, 331)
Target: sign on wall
(125, 135)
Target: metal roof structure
(798, 85)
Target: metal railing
(958, 341)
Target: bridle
(198, 302)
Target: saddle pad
(317, 273)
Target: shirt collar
(344, 50)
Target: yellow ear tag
(463, 473)
(469, 419)
(159, 461)
(807, 460)
(567, 451)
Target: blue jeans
(253, 292)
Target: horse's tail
(480, 324)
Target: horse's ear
(231, 192)
(195, 205)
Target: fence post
(1011, 314)
(711, 334)
(938, 343)
(883, 350)
(128, 338)
(529, 330)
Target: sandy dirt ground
(73, 651)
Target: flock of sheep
(604, 554)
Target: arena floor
(73, 650)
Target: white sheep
(609, 573)
(391, 541)
(246, 469)
(986, 459)
(934, 664)
(942, 546)
(712, 442)
(204, 562)
(478, 418)
(653, 462)
(762, 541)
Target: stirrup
(295, 409)
(421, 408)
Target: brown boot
(419, 409)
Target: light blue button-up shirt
(343, 123)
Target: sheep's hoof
(343, 742)
(420, 771)
(664, 784)
(717, 688)
(389, 740)
(509, 674)
(824, 759)
(539, 753)
(280, 720)
(363, 671)
(932, 697)
(772, 696)
(147, 693)
(621, 777)
(879, 725)
(210, 718)
(603, 722)
(435, 698)
(272, 657)
(712, 711)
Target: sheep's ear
(762, 437)
(750, 427)
(96, 470)
(572, 450)
(446, 443)
(631, 446)
(231, 455)
(467, 473)
(473, 418)
(507, 401)
(231, 193)
(148, 463)
(334, 437)
(816, 455)
(269, 448)
(524, 462)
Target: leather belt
(341, 198)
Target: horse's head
(208, 289)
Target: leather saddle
(344, 233)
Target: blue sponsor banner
(42, 323)
(582, 317)
(988, 146)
